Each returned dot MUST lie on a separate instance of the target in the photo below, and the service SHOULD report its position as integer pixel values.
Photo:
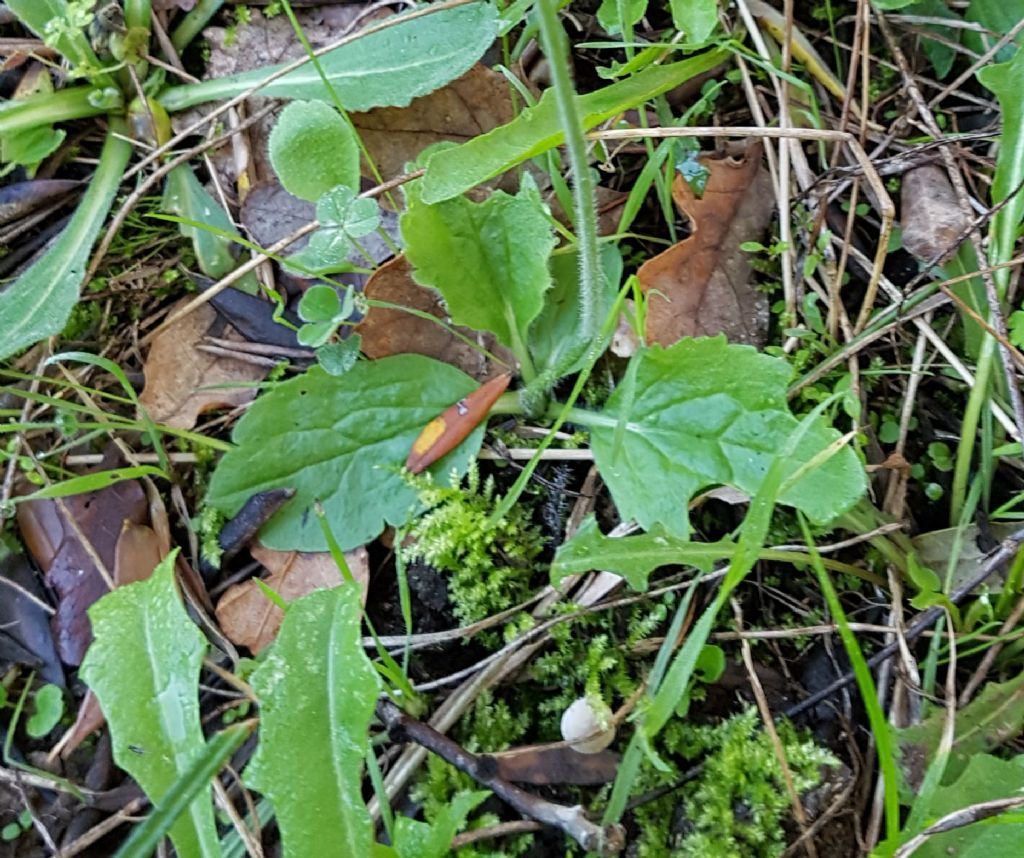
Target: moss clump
(489, 565)
(739, 803)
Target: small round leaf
(313, 149)
(320, 304)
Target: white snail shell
(587, 726)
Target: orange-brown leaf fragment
(702, 285)
(182, 382)
(443, 434)
(248, 618)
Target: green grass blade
(145, 838)
(866, 685)
(39, 302)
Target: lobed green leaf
(704, 412)
(318, 691)
(489, 260)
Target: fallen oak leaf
(248, 618)
(701, 286)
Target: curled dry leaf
(248, 618)
(702, 285)
(556, 764)
(182, 382)
(68, 563)
(24, 619)
(138, 551)
(389, 332)
(932, 220)
(471, 105)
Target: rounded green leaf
(49, 701)
(313, 149)
(341, 441)
(320, 304)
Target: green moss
(489, 567)
(739, 803)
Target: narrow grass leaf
(866, 685)
(146, 837)
(318, 691)
(386, 68)
(537, 129)
(39, 303)
(92, 482)
(143, 665)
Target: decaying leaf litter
(688, 541)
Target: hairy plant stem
(588, 334)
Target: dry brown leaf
(176, 370)
(389, 332)
(137, 554)
(932, 220)
(248, 618)
(467, 107)
(702, 285)
(556, 764)
(69, 567)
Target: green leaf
(92, 482)
(552, 333)
(695, 18)
(1007, 82)
(185, 197)
(343, 217)
(454, 170)
(49, 703)
(703, 413)
(313, 149)
(992, 718)
(318, 691)
(386, 68)
(320, 304)
(632, 557)
(415, 839)
(146, 837)
(143, 667)
(608, 14)
(74, 102)
(39, 303)
(71, 43)
(30, 146)
(999, 17)
(339, 358)
(489, 260)
(986, 778)
(340, 440)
